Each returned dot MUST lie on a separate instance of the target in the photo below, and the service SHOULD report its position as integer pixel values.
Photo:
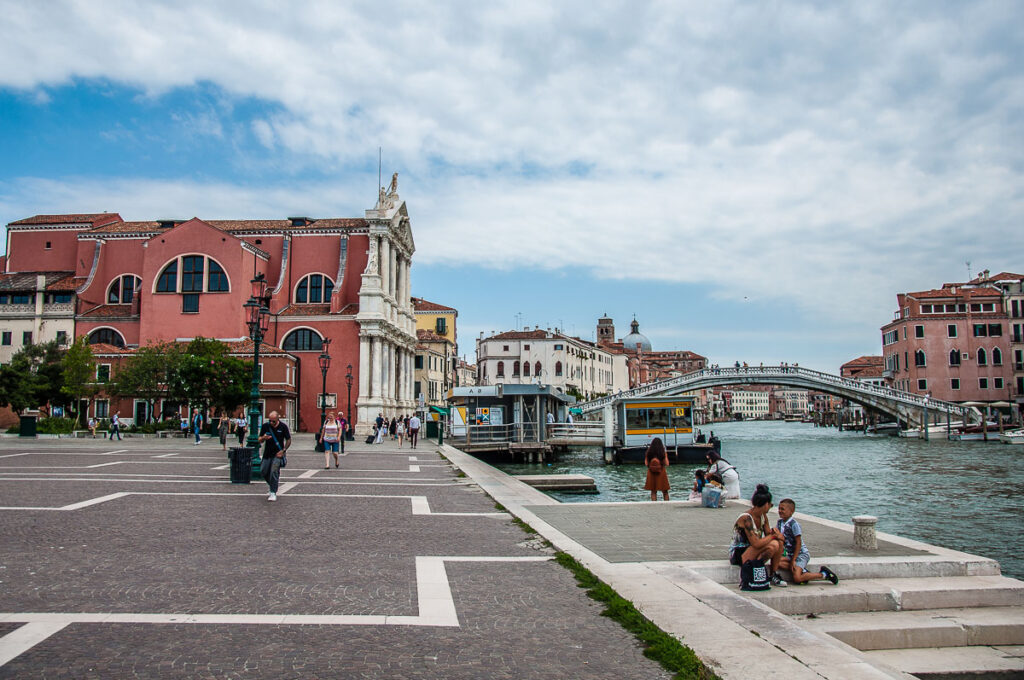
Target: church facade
(342, 280)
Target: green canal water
(960, 495)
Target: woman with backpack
(656, 460)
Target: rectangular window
(951, 330)
(26, 338)
(6, 338)
(975, 307)
(62, 337)
(192, 274)
(1015, 309)
(926, 309)
(190, 303)
(918, 331)
(504, 348)
(954, 383)
(49, 245)
(3, 299)
(988, 307)
(980, 330)
(983, 383)
(997, 383)
(904, 332)
(419, 363)
(995, 330)
(558, 348)
(22, 299)
(526, 347)
(103, 373)
(922, 384)
(102, 408)
(441, 325)
(416, 388)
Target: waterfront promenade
(137, 559)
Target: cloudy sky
(753, 181)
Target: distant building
(465, 374)
(35, 307)
(866, 369)
(434, 355)
(752, 402)
(548, 357)
(952, 343)
(1012, 287)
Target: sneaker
(272, 497)
(830, 575)
(777, 581)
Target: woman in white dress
(725, 470)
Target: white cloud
(827, 155)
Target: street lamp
(324, 360)
(348, 381)
(257, 318)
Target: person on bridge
(725, 470)
(656, 460)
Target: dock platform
(580, 483)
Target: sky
(753, 181)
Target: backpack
(754, 576)
(655, 466)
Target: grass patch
(658, 645)
(499, 507)
(523, 525)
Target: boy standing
(795, 555)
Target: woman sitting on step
(753, 537)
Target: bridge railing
(810, 375)
(588, 430)
(506, 432)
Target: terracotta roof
(108, 312)
(306, 310)
(69, 282)
(128, 228)
(427, 335)
(245, 347)
(958, 293)
(95, 219)
(1001, 276)
(26, 281)
(104, 349)
(421, 305)
(868, 360)
(523, 335)
(286, 225)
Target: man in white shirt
(414, 430)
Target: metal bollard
(864, 535)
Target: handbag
(754, 576)
(284, 453)
(711, 496)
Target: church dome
(636, 339)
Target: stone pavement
(137, 558)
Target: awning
(438, 409)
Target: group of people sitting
(754, 539)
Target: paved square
(138, 559)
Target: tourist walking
(656, 460)
(241, 425)
(393, 428)
(400, 429)
(223, 428)
(381, 429)
(414, 430)
(331, 434)
(196, 423)
(722, 467)
(115, 426)
(278, 438)
(344, 431)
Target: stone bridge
(905, 406)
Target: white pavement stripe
(166, 455)
(413, 458)
(111, 453)
(362, 481)
(222, 467)
(308, 473)
(285, 488)
(28, 636)
(113, 462)
(414, 468)
(434, 600)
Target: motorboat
(1012, 436)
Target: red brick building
(340, 279)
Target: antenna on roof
(968, 263)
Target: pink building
(951, 343)
(344, 280)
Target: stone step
(892, 594)
(955, 663)
(720, 571)
(568, 482)
(922, 628)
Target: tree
(78, 372)
(146, 374)
(33, 378)
(205, 375)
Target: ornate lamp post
(348, 381)
(324, 360)
(257, 318)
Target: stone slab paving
(652, 532)
(156, 566)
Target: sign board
(421, 400)
(483, 416)
(331, 399)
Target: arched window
(168, 281)
(558, 368)
(982, 357)
(954, 357)
(997, 357)
(919, 358)
(217, 281)
(515, 368)
(314, 289)
(122, 289)
(193, 268)
(107, 336)
(501, 369)
(526, 369)
(536, 368)
(303, 340)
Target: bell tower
(605, 330)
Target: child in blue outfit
(795, 555)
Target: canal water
(960, 495)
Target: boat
(975, 433)
(892, 429)
(1012, 436)
(641, 419)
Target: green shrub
(56, 426)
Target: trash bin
(241, 465)
(28, 424)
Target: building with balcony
(35, 307)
